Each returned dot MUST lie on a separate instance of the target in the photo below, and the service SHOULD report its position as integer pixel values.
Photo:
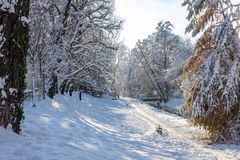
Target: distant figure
(80, 95)
(70, 92)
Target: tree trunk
(54, 86)
(43, 86)
(14, 48)
(63, 86)
(42, 75)
(33, 87)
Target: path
(178, 128)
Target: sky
(142, 16)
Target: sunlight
(119, 79)
(65, 125)
(55, 104)
(89, 146)
(45, 119)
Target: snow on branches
(214, 94)
(76, 40)
(7, 6)
(222, 34)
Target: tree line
(55, 46)
(59, 45)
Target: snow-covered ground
(103, 129)
(173, 105)
(179, 129)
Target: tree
(13, 50)
(118, 76)
(165, 41)
(150, 72)
(214, 93)
(158, 61)
(89, 44)
(76, 44)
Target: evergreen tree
(214, 92)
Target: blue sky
(141, 17)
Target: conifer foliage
(214, 92)
(13, 51)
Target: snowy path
(101, 129)
(178, 128)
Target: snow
(6, 5)
(103, 129)
(12, 90)
(2, 82)
(25, 20)
(174, 103)
(3, 94)
(2, 39)
(197, 4)
(222, 33)
(178, 128)
(27, 90)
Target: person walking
(80, 95)
(70, 92)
